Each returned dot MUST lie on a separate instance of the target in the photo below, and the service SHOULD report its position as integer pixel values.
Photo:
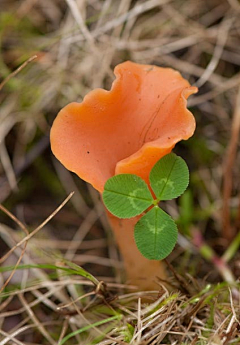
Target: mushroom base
(139, 271)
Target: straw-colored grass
(54, 52)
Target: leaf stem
(232, 248)
(210, 255)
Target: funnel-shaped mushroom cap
(127, 129)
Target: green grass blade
(96, 324)
(81, 271)
(73, 270)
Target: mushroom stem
(139, 271)
(125, 130)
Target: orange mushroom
(125, 130)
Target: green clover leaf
(169, 177)
(126, 195)
(155, 234)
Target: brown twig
(228, 231)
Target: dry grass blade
(22, 226)
(38, 228)
(75, 46)
(235, 5)
(6, 162)
(79, 20)
(221, 41)
(227, 229)
(19, 69)
(36, 322)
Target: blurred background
(53, 52)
